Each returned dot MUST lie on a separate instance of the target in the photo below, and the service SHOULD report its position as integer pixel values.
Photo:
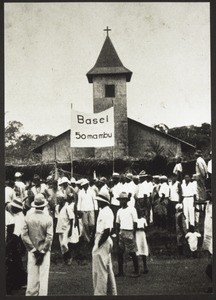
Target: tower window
(109, 90)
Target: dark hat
(17, 203)
(36, 177)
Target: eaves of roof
(38, 149)
(108, 62)
(163, 133)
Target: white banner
(92, 130)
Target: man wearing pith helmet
(102, 270)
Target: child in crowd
(141, 241)
(192, 237)
(126, 225)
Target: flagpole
(113, 156)
(71, 151)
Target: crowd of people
(99, 210)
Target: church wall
(48, 152)
(143, 141)
(120, 112)
(59, 149)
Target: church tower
(109, 78)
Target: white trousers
(63, 241)
(37, 282)
(88, 222)
(189, 211)
(102, 269)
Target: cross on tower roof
(107, 30)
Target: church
(109, 79)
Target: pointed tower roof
(108, 62)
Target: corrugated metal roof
(108, 62)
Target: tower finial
(107, 30)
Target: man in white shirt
(20, 185)
(209, 169)
(162, 203)
(178, 169)
(175, 197)
(115, 192)
(198, 207)
(37, 236)
(102, 185)
(207, 239)
(201, 172)
(87, 204)
(142, 196)
(10, 194)
(189, 200)
(102, 269)
(209, 166)
(39, 187)
(59, 176)
(130, 188)
(126, 225)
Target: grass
(169, 274)
(166, 276)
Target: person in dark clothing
(16, 276)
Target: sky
(49, 48)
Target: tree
(12, 132)
(41, 139)
(205, 129)
(199, 136)
(18, 146)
